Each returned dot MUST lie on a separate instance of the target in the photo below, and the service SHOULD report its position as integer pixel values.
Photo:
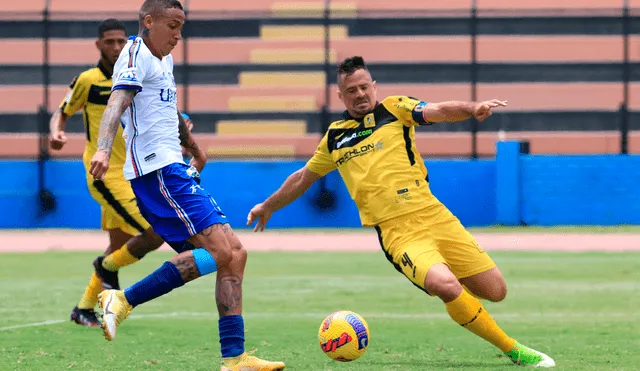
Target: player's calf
(182, 268)
(463, 308)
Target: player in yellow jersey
(374, 150)
(130, 235)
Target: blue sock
(158, 283)
(231, 335)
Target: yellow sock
(118, 259)
(471, 293)
(468, 312)
(90, 296)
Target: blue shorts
(175, 204)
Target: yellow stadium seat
(285, 9)
(302, 32)
(273, 104)
(261, 127)
(292, 55)
(247, 78)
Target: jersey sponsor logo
(403, 106)
(168, 95)
(359, 151)
(354, 136)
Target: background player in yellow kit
(374, 150)
(130, 235)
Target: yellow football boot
(115, 309)
(247, 362)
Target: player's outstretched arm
(451, 111)
(118, 102)
(57, 126)
(189, 144)
(292, 188)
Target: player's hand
(99, 165)
(262, 214)
(189, 124)
(483, 109)
(57, 140)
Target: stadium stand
(255, 75)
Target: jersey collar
(104, 70)
(347, 116)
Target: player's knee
(222, 254)
(444, 286)
(239, 253)
(497, 293)
(152, 239)
(145, 243)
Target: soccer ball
(344, 336)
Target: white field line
(321, 316)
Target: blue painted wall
(467, 187)
(590, 190)
(512, 189)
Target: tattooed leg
(186, 265)
(229, 300)
(229, 294)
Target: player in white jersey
(170, 197)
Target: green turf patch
(580, 308)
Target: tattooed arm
(118, 102)
(189, 144)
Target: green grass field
(579, 308)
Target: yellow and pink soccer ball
(344, 336)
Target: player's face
(111, 44)
(166, 30)
(358, 93)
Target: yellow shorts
(416, 241)
(118, 205)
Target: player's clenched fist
(483, 109)
(57, 140)
(99, 165)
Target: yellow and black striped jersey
(378, 160)
(90, 92)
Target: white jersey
(151, 122)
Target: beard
(106, 58)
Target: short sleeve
(321, 163)
(131, 68)
(76, 98)
(408, 109)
